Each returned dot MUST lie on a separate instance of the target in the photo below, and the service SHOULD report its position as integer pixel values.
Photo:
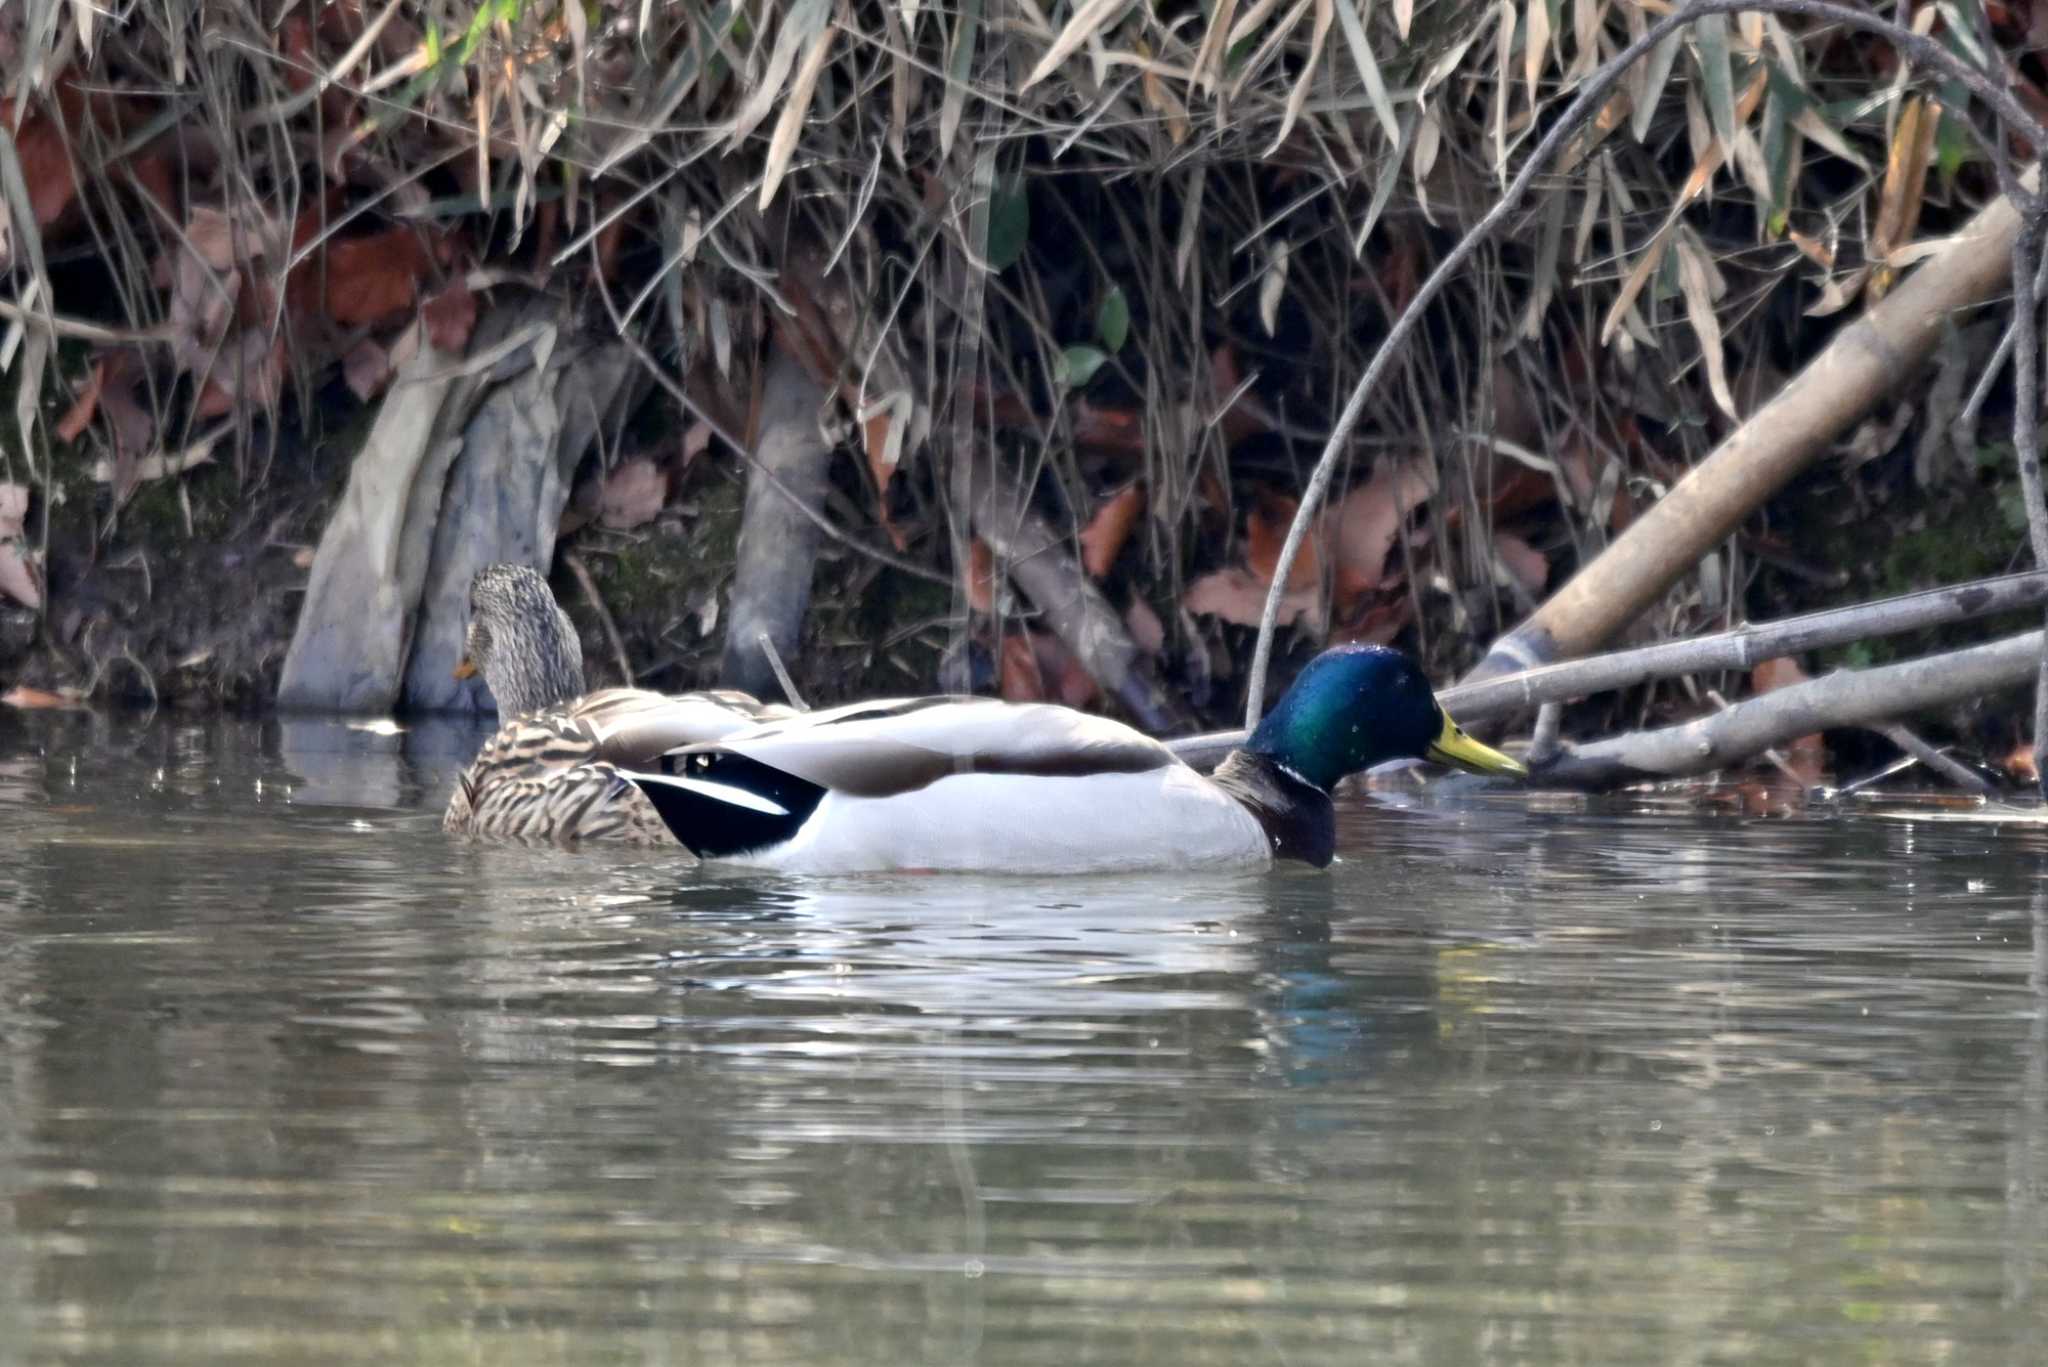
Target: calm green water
(286, 1077)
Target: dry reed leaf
(1905, 184)
(1696, 284)
(1695, 185)
(1404, 17)
(1274, 286)
(1815, 129)
(1503, 82)
(1353, 24)
(633, 496)
(13, 509)
(1535, 43)
(1311, 68)
(1104, 536)
(1089, 21)
(789, 125)
(1207, 68)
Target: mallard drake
(551, 771)
(976, 784)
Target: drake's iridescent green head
(1356, 706)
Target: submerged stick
(1934, 759)
(1742, 648)
(1851, 697)
(1917, 49)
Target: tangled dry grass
(1138, 252)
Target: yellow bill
(1453, 747)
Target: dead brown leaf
(2020, 763)
(1524, 561)
(1237, 595)
(366, 369)
(981, 578)
(450, 316)
(1806, 756)
(634, 494)
(1368, 521)
(1019, 677)
(1147, 631)
(1065, 679)
(34, 699)
(1104, 536)
(1265, 535)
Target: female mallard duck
(974, 784)
(551, 773)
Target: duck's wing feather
(633, 727)
(878, 749)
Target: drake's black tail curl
(719, 804)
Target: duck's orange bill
(464, 669)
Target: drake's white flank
(1164, 818)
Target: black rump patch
(715, 829)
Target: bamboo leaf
(804, 21)
(1369, 70)
(1009, 226)
(1077, 365)
(1717, 75)
(789, 125)
(1311, 67)
(1113, 320)
(966, 33)
(1656, 75)
(1088, 22)
(1535, 43)
(1274, 287)
(1695, 283)
(1390, 175)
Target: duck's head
(1356, 706)
(521, 641)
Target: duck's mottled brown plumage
(550, 774)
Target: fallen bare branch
(1742, 648)
(1858, 697)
